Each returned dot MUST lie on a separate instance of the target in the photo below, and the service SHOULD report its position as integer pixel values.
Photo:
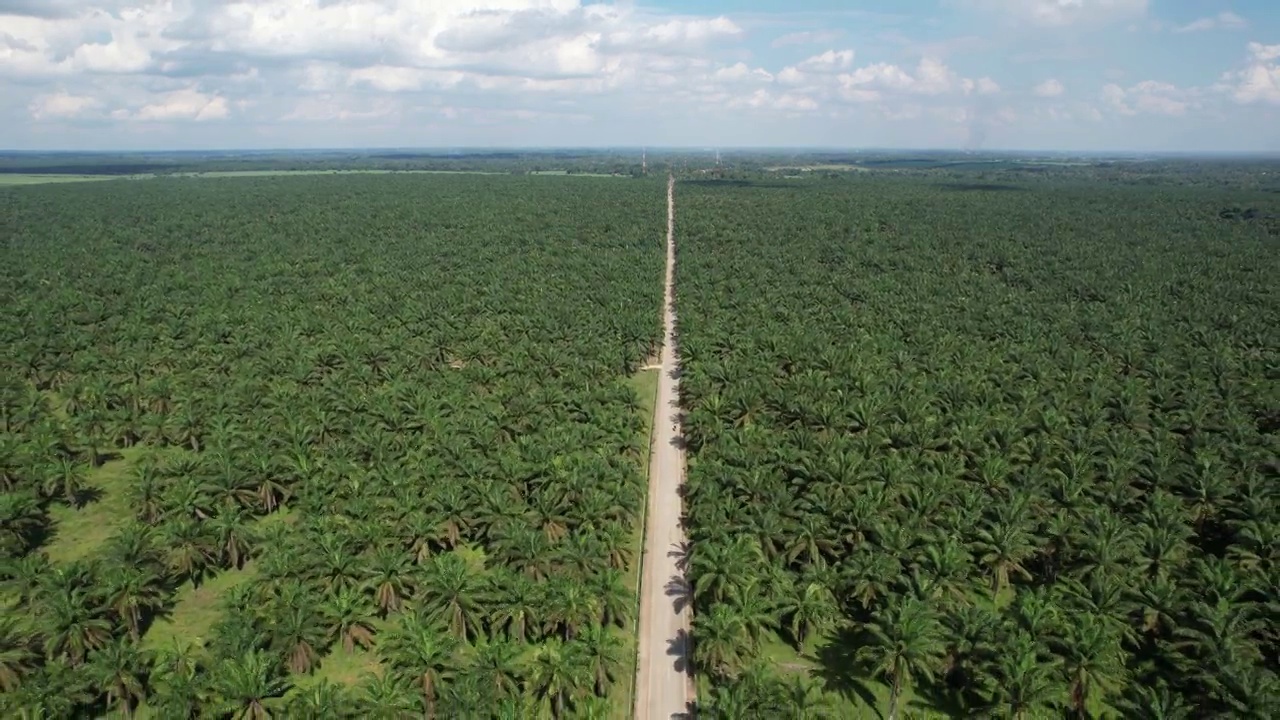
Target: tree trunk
(894, 689)
(429, 695)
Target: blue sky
(1167, 75)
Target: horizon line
(699, 148)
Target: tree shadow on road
(680, 551)
(679, 648)
(680, 592)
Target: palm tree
(499, 668)
(320, 702)
(804, 700)
(348, 618)
(17, 657)
(1003, 547)
(521, 607)
(615, 600)
(808, 608)
(233, 537)
(65, 479)
(1143, 701)
(248, 687)
(555, 675)
(719, 640)
(134, 592)
(388, 696)
(453, 592)
(57, 691)
(389, 578)
(718, 568)
(337, 562)
(1025, 681)
(297, 633)
(601, 650)
(146, 492)
(570, 605)
(23, 578)
(22, 520)
(423, 650)
(177, 683)
(74, 623)
(754, 604)
(1092, 659)
(120, 669)
(191, 549)
(905, 641)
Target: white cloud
(62, 106)
(1150, 97)
(930, 78)
(1223, 20)
(1048, 89)
(808, 37)
(1264, 53)
(786, 102)
(184, 105)
(401, 65)
(1258, 82)
(739, 72)
(829, 61)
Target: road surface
(664, 683)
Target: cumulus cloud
(1263, 53)
(1258, 82)
(1221, 21)
(786, 102)
(739, 72)
(1048, 89)
(326, 46)
(1150, 97)
(930, 78)
(62, 106)
(184, 105)
(828, 61)
(400, 64)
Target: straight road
(664, 682)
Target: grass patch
(195, 610)
(78, 533)
(343, 668)
(8, 179)
(645, 384)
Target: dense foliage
(399, 406)
(982, 449)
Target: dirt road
(664, 684)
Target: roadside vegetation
(314, 447)
(991, 448)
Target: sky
(1070, 75)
